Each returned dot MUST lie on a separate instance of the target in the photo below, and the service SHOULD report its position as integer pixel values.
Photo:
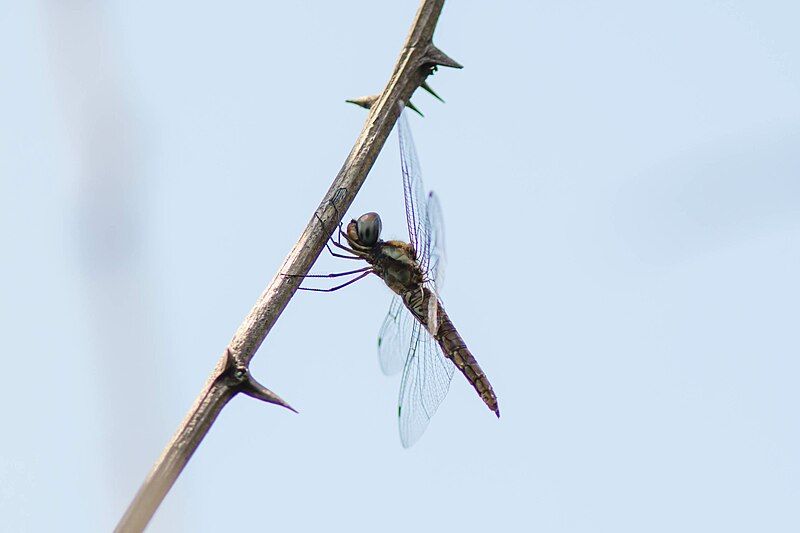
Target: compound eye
(368, 227)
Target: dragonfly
(417, 334)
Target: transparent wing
(394, 337)
(413, 189)
(435, 260)
(404, 343)
(423, 213)
(426, 380)
(427, 372)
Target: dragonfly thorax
(400, 251)
(395, 262)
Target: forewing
(427, 372)
(436, 260)
(413, 188)
(426, 380)
(394, 337)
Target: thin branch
(418, 58)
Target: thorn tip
(436, 57)
(364, 101)
(428, 88)
(256, 390)
(414, 108)
(247, 384)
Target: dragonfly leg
(338, 243)
(339, 237)
(343, 247)
(336, 275)
(339, 193)
(336, 196)
(365, 274)
(334, 254)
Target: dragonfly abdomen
(456, 350)
(453, 346)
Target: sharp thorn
(364, 101)
(256, 390)
(436, 57)
(238, 372)
(433, 93)
(414, 108)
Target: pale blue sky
(620, 188)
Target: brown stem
(231, 375)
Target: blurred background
(620, 188)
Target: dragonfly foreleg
(365, 274)
(339, 237)
(336, 275)
(345, 248)
(337, 196)
(334, 254)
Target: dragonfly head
(366, 230)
